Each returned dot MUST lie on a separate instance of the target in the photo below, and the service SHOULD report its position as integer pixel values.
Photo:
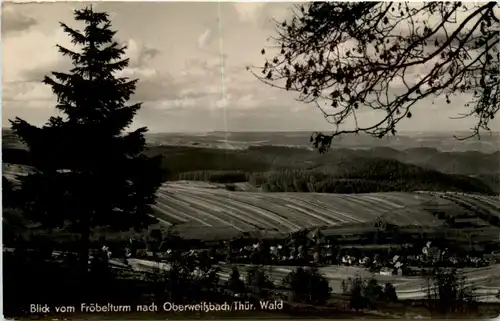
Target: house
(386, 271)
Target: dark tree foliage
(88, 171)
(358, 176)
(258, 281)
(12, 219)
(390, 293)
(185, 281)
(235, 283)
(447, 292)
(8, 193)
(308, 286)
(349, 57)
(365, 293)
(155, 240)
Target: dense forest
(284, 169)
(408, 178)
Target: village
(313, 247)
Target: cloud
(274, 12)
(156, 88)
(204, 38)
(248, 11)
(27, 91)
(139, 53)
(13, 20)
(180, 78)
(184, 83)
(176, 104)
(23, 74)
(248, 101)
(33, 54)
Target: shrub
(447, 292)
(185, 282)
(235, 284)
(308, 286)
(230, 187)
(365, 293)
(390, 293)
(258, 281)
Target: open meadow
(196, 207)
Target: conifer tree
(88, 171)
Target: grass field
(206, 210)
(198, 207)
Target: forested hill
(360, 175)
(273, 168)
(284, 169)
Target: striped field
(196, 207)
(204, 210)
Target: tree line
(382, 178)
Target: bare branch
(382, 56)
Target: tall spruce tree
(88, 171)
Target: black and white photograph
(257, 160)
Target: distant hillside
(444, 141)
(269, 157)
(10, 140)
(492, 181)
(464, 163)
(341, 170)
(437, 151)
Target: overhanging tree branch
(386, 57)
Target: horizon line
(442, 131)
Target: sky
(190, 59)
